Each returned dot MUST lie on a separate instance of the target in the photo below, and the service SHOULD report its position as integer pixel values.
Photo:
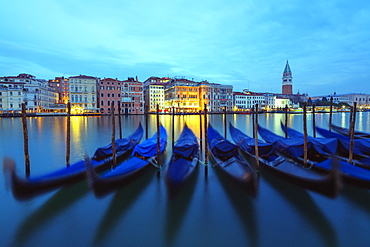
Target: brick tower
(287, 87)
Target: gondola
(227, 159)
(184, 160)
(143, 157)
(332, 146)
(24, 188)
(293, 148)
(346, 131)
(284, 168)
(363, 145)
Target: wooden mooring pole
(119, 120)
(253, 112)
(205, 140)
(200, 130)
(25, 141)
(256, 140)
(286, 121)
(158, 143)
(313, 121)
(225, 123)
(146, 120)
(352, 133)
(331, 112)
(114, 160)
(68, 139)
(304, 134)
(173, 126)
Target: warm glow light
(76, 110)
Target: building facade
(83, 94)
(36, 93)
(11, 95)
(182, 95)
(247, 100)
(60, 85)
(132, 96)
(109, 92)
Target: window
(102, 103)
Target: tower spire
(287, 68)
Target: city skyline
(240, 43)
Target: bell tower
(287, 87)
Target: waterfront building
(36, 93)
(60, 85)
(187, 95)
(361, 99)
(83, 94)
(221, 97)
(132, 96)
(287, 87)
(246, 100)
(281, 103)
(274, 102)
(183, 95)
(204, 88)
(154, 92)
(155, 96)
(11, 95)
(109, 91)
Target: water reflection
(54, 206)
(120, 204)
(244, 206)
(306, 206)
(360, 197)
(177, 206)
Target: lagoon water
(209, 211)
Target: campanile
(287, 87)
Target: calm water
(210, 211)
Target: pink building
(132, 96)
(109, 91)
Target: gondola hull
(231, 163)
(143, 158)
(349, 173)
(25, 188)
(285, 168)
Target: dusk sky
(244, 43)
